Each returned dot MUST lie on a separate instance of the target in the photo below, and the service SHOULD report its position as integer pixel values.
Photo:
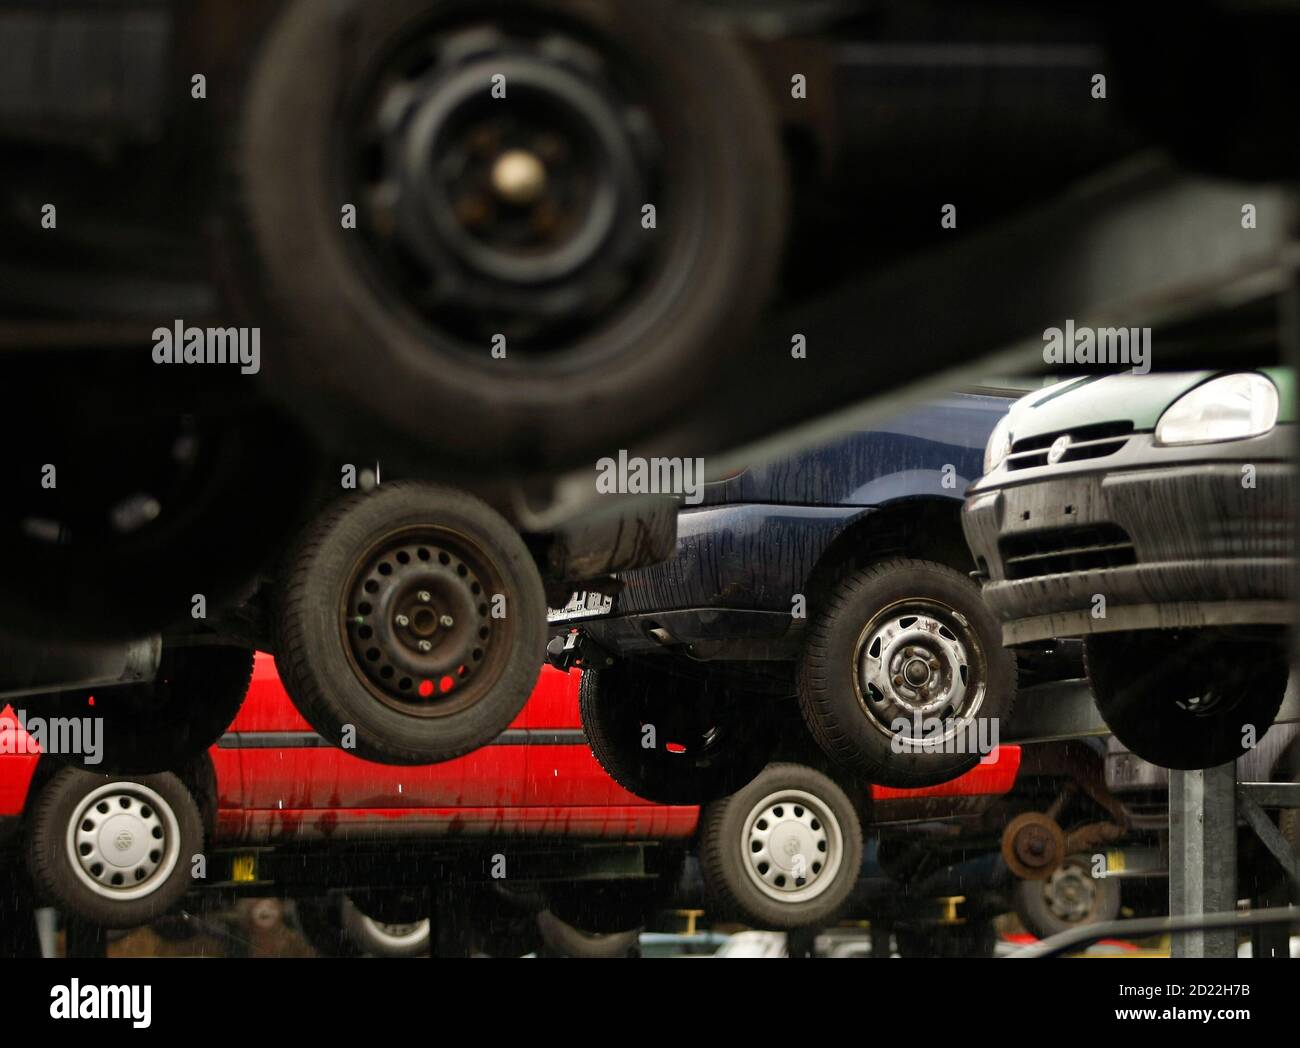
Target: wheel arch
(921, 527)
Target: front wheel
(381, 936)
(411, 624)
(784, 852)
(115, 852)
(1187, 698)
(903, 678)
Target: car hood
(1139, 399)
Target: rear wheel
(670, 738)
(113, 851)
(166, 723)
(500, 161)
(784, 852)
(411, 625)
(903, 678)
(1187, 699)
(564, 940)
(1069, 898)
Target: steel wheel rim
(788, 832)
(920, 658)
(442, 583)
(1070, 893)
(124, 841)
(420, 151)
(397, 935)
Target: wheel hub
(1070, 893)
(503, 173)
(792, 846)
(123, 841)
(919, 659)
(418, 622)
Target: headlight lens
(1227, 408)
(999, 445)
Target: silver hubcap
(920, 659)
(1070, 892)
(793, 846)
(124, 841)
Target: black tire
(503, 923)
(325, 634)
(1070, 898)
(157, 804)
(365, 356)
(853, 722)
(320, 920)
(609, 907)
(975, 938)
(375, 937)
(166, 723)
(1149, 683)
(707, 742)
(564, 940)
(147, 512)
(817, 818)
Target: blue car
(835, 582)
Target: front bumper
(1160, 538)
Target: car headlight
(999, 445)
(1227, 408)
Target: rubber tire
(367, 938)
(722, 862)
(609, 907)
(1030, 903)
(1139, 706)
(562, 939)
(51, 870)
(356, 367)
(128, 586)
(320, 920)
(614, 703)
(204, 687)
(827, 695)
(503, 923)
(310, 653)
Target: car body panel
(1094, 399)
(760, 535)
(1184, 536)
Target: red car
(533, 807)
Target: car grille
(1086, 442)
(1082, 547)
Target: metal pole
(1203, 855)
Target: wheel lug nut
(424, 596)
(402, 620)
(425, 646)
(447, 620)
(898, 679)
